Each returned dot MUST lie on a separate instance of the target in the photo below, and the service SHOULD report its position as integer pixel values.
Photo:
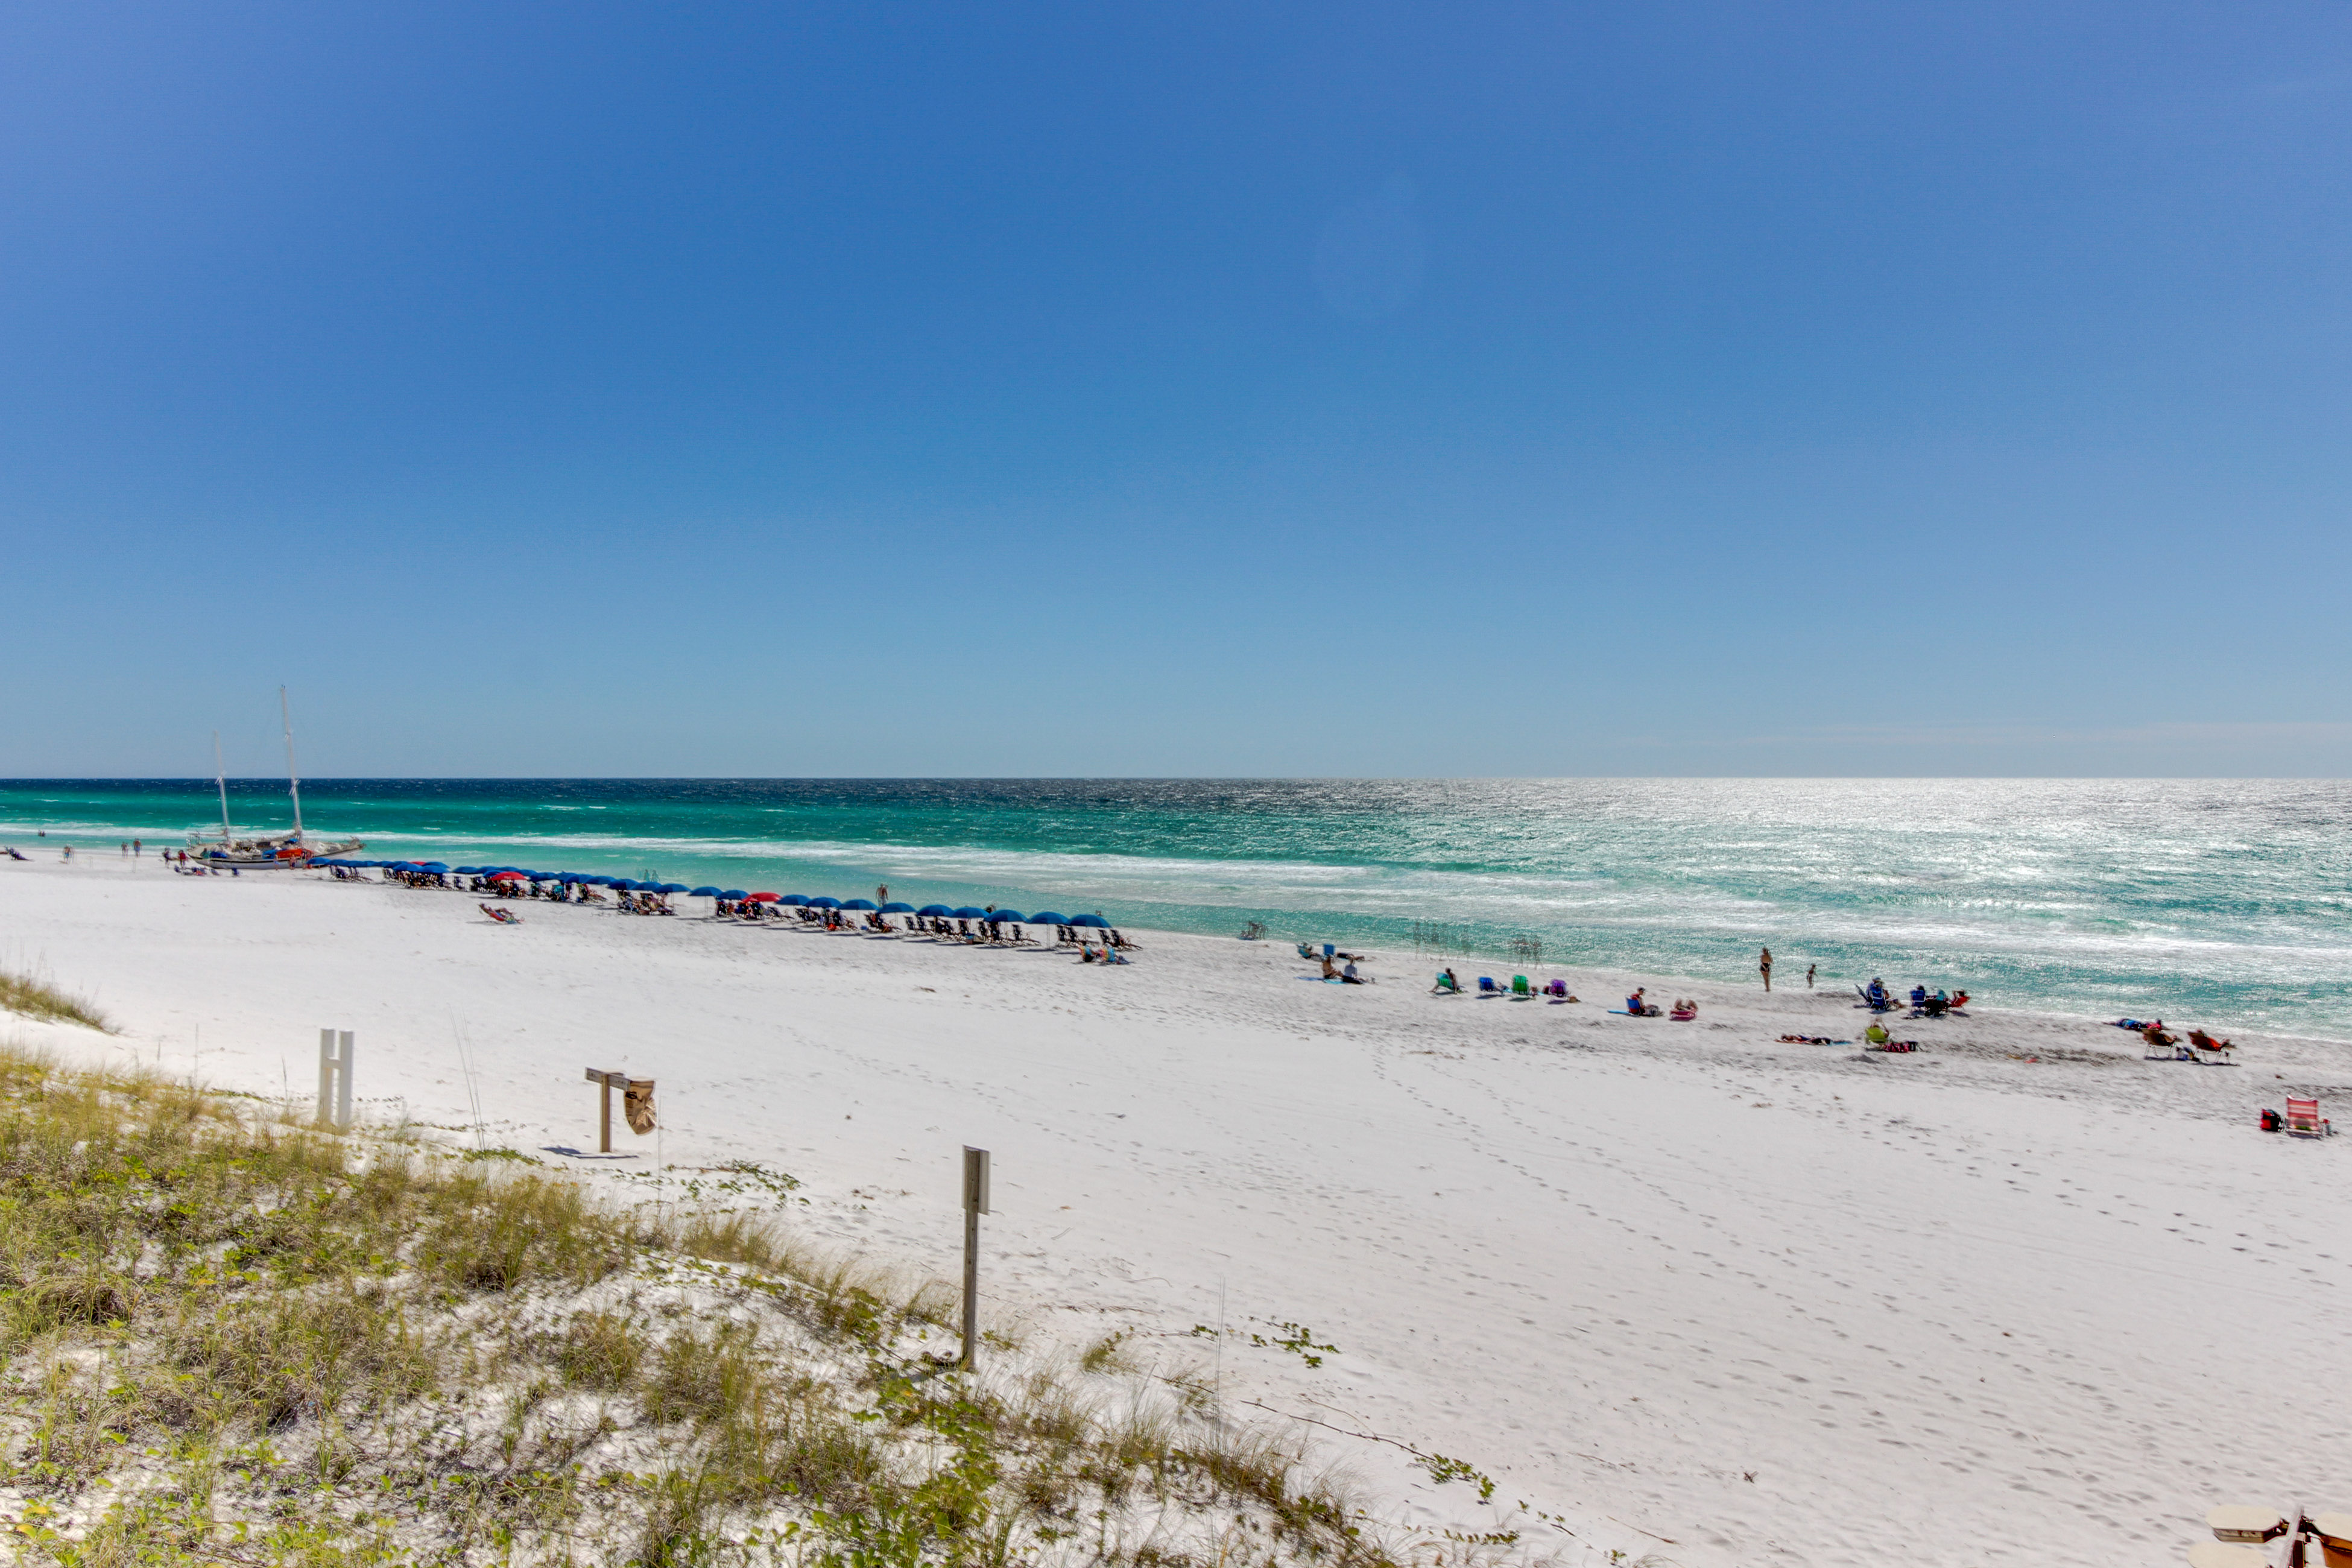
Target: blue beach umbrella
(736, 894)
(706, 894)
(1048, 918)
(859, 904)
(1008, 916)
(1093, 922)
(969, 913)
(672, 888)
(824, 903)
(469, 870)
(794, 899)
(936, 912)
(897, 908)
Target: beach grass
(34, 997)
(227, 1336)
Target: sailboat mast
(220, 781)
(293, 784)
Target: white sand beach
(1677, 1288)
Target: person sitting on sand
(1348, 975)
(1330, 970)
(1446, 982)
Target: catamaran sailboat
(263, 849)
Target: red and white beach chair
(2304, 1121)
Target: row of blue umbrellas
(438, 869)
(733, 895)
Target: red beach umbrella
(762, 898)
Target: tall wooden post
(606, 1083)
(975, 1203)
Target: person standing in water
(1809, 977)
(1765, 964)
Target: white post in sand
(335, 1055)
(975, 1203)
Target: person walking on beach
(1765, 964)
(1809, 977)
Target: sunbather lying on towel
(1683, 1012)
(1806, 1040)
(504, 917)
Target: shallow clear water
(2224, 901)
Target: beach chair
(1520, 990)
(1557, 990)
(2302, 1119)
(1447, 986)
(1486, 986)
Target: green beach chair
(1520, 990)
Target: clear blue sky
(1020, 389)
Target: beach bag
(637, 1105)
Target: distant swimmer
(1765, 963)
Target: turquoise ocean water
(2224, 901)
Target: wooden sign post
(608, 1082)
(335, 1078)
(975, 1203)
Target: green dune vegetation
(231, 1338)
(36, 998)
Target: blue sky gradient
(1039, 389)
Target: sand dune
(1680, 1288)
